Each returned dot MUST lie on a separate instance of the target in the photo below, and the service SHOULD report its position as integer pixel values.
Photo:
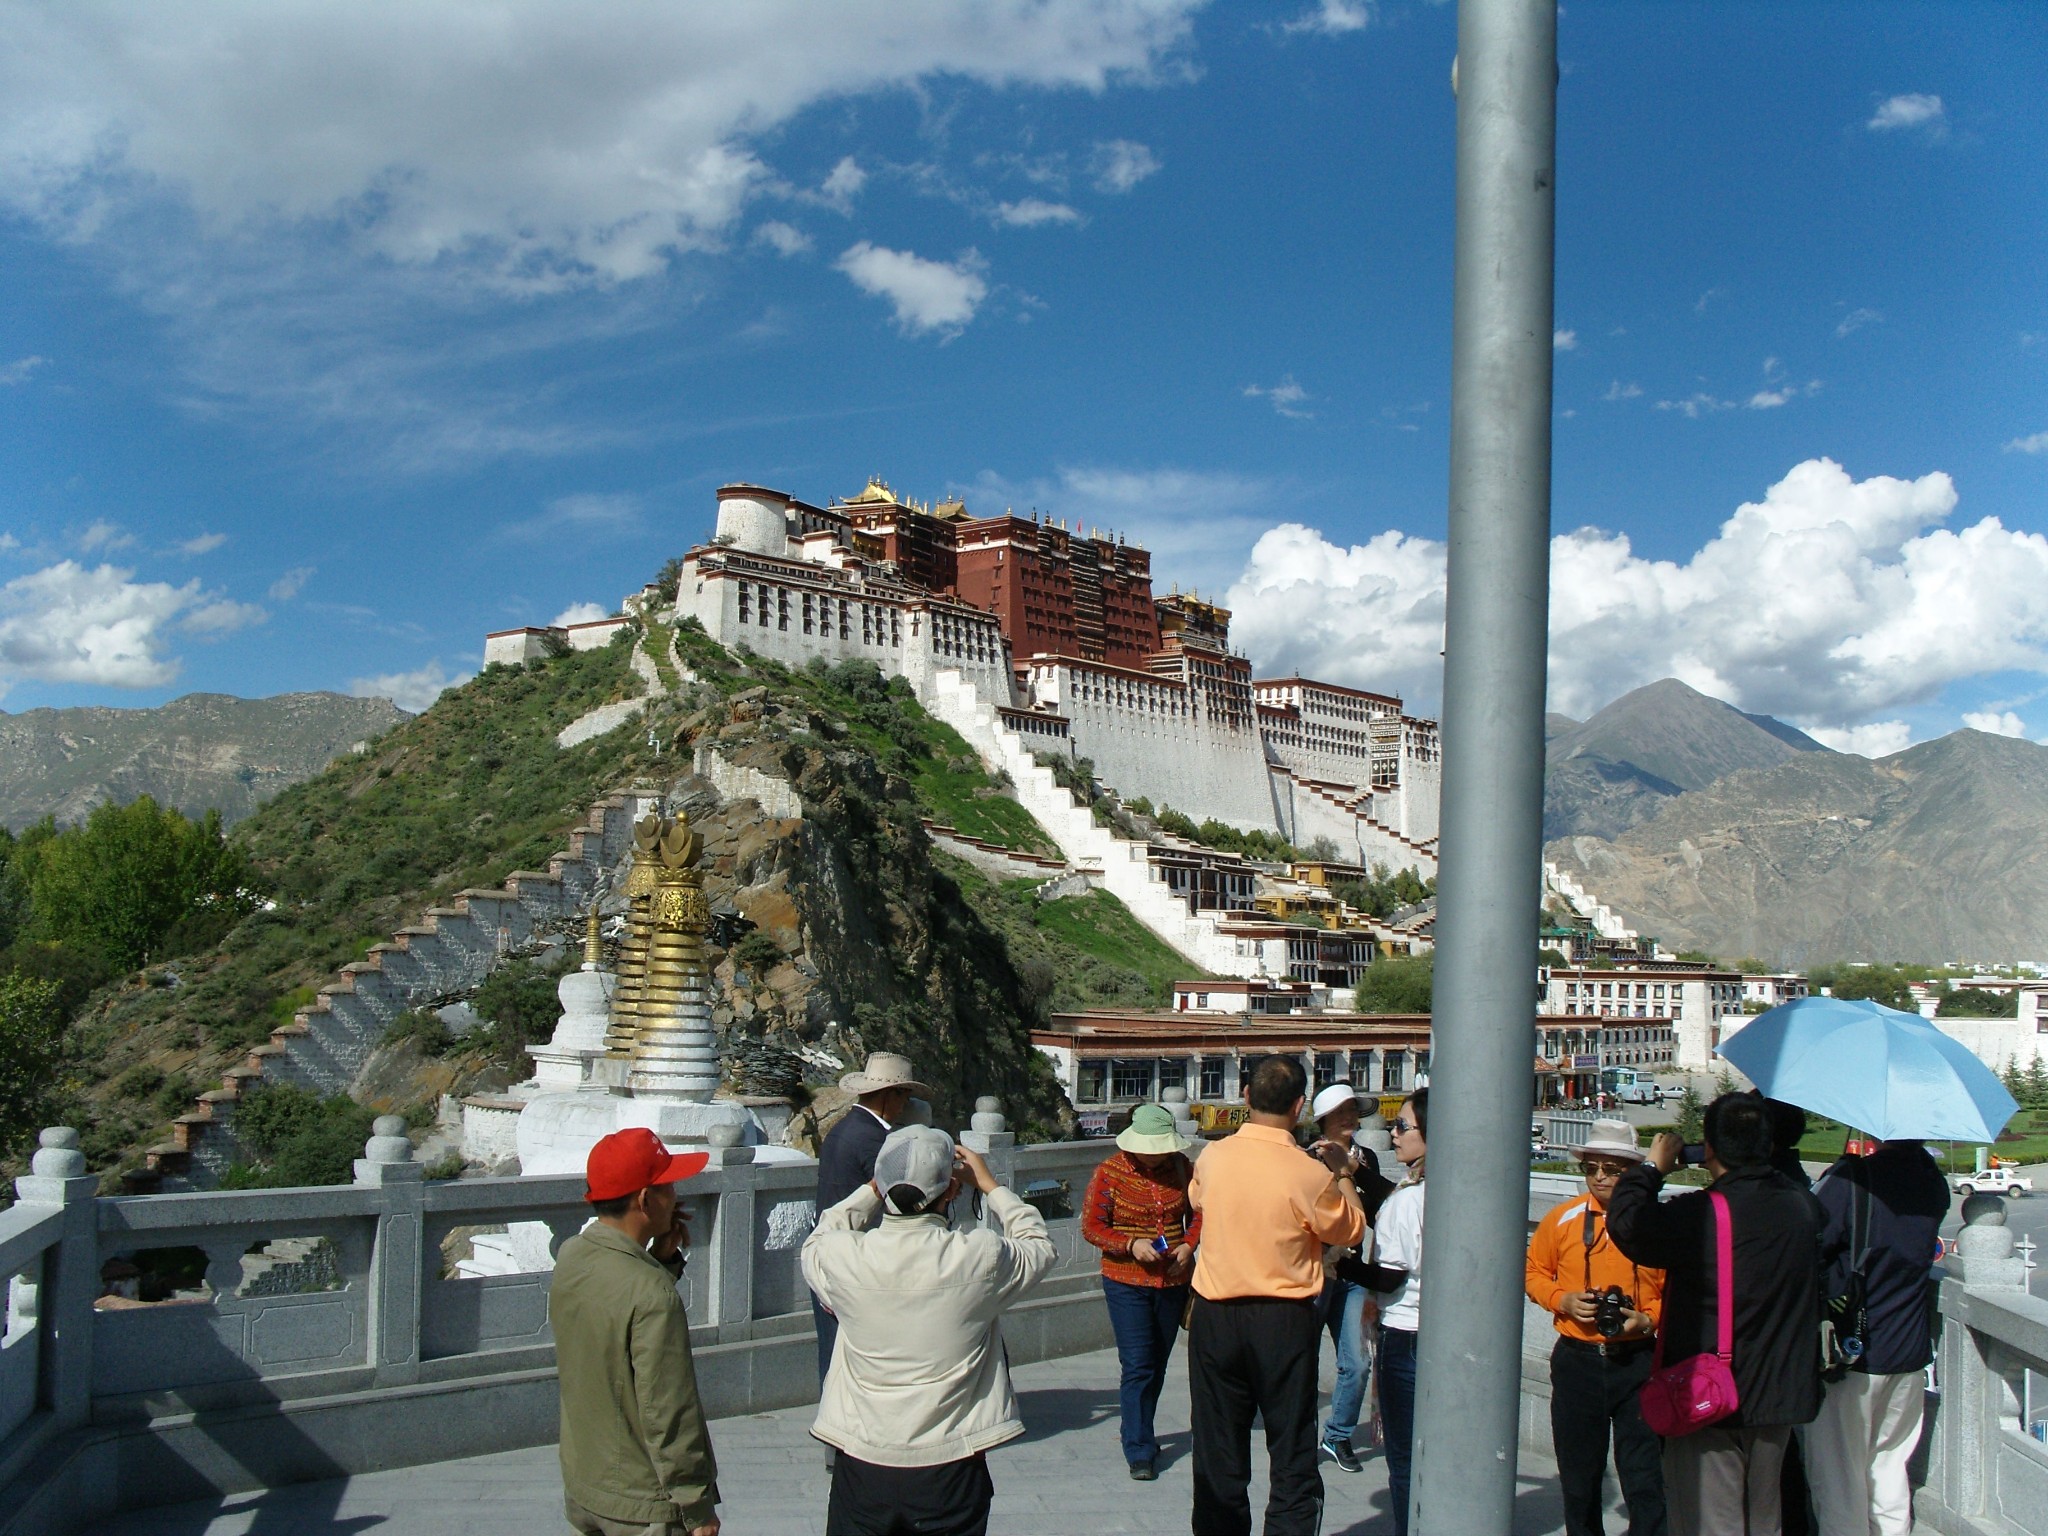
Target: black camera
(1693, 1155)
(1610, 1313)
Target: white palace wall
(1150, 737)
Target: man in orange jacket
(1606, 1311)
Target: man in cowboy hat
(1602, 1355)
(636, 1456)
(883, 1090)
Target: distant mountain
(1938, 852)
(1617, 769)
(1556, 725)
(202, 751)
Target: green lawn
(2024, 1141)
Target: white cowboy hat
(885, 1069)
(1613, 1138)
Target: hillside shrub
(1978, 1003)
(298, 1138)
(31, 1039)
(1398, 984)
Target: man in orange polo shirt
(1602, 1355)
(1267, 1211)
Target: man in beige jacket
(919, 1388)
(636, 1458)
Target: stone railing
(312, 1333)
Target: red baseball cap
(626, 1162)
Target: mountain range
(1738, 835)
(197, 753)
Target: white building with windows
(1704, 1006)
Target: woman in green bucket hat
(1136, 1211)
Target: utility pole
(1468, 1373)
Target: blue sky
(337, 337)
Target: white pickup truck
(1992, 1181)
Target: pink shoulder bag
(1678, 1399)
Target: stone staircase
(448, 952)
(1398, 849)
(1126, 872)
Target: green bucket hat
(1151, 1130)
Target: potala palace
(1031, 637)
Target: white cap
(1336, 1096)
(918, 1155)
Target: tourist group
(1750, 1354)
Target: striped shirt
(1125, 1201)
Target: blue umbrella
(1889, 1073)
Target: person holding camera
(1606, 1307)
(919, 1387)
(1338, 1112)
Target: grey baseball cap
(918, 1155)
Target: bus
(1628, 1086)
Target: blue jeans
(1397, 1415)
(1343, 1313)
(1145, 1319)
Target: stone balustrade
(333, 1331)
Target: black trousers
(950, 1499)
(1592, 1399)
(1254, 1357)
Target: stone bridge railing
(327, 1332)
(324, 1332)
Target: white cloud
(928, 296)
(1879, 738)
(1911, 110)
(585, 514)
(98, 627)
(205, 544)
(1696, 405)
(1117, 165)
(2036, 442)
(1832, 601)
(581, 613)
(786, 239)
(290, 584)
(221, 616)
(1286, 397)
(542, 148)
(841, 187)
(411, 691)
(2003, 722)
(1028, 212)
(1564, 341)
(1620, 391)
(18, 371)
(1855, 320)
(105, 537)
(8, 542)
(1334, 18)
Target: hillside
(1614, 771)
(205, 751)
(862, 936)
(1938, 852)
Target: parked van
(1628, 1086)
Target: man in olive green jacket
(636, 1457)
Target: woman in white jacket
(919, 1388)
(1397, 1244)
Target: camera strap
(1591, 1235)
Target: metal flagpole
(1468, 1373)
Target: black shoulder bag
(1845, 1316)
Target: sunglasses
(1402, 1127)
(1600, 1169)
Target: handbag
(1688, 1396)
(1845, 1317)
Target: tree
(130, 874)
(1692, 1115)
(31, 1039)
(1879, 983)
(1399, 984)
(1979, 1003)
(1697, 957)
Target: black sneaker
(1343, 1455)
(1144, 1471)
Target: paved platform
(1065, 1475)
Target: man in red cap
(636, 1457)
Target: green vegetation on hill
(1084, 951)
(1398, 984)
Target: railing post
(71, 1274)
(988, 1133)
(398, 1258)
(731, 1297)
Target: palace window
(1212, 1076)
(1173, 1073)
(1326, 1069)
(781, 608)
(1094, 1082)
(1396, 1062)
(807, 613)
(1131, 1079)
